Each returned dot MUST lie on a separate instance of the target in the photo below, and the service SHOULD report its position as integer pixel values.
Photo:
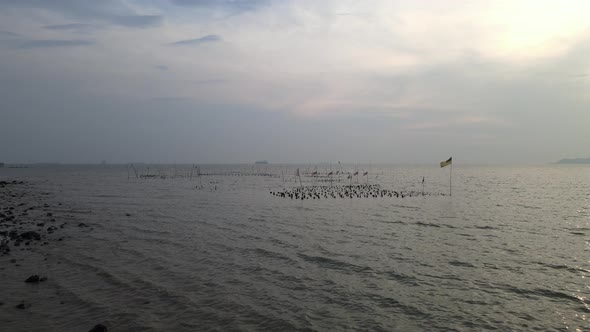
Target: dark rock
(32, 279)
(4, 248)
(82, 225)
(30, 235)
(21, 305)
(128, 214)
(43, 279)
(13, 235)
(41, 224)
(13, 260)
(99, 328)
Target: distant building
(261, 162)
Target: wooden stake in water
(422, 186)
(283, 176)
(199, 175)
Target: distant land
(574, 161)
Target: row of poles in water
(315, 175)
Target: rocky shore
(30, 223)
(25, 221)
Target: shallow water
(509, 250)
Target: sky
(234, 81)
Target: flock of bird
(351, 191)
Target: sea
(210, 248)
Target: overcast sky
(225, 81)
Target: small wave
(77, 211)
(419, 223)
(389, 302)
(529, 206)
(564, 267)
(484, 227)
(427, 224)
(334, 264)
(269, 254)
(402, 278)
(397, 222)
(459, 263)
(540, 292)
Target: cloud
(229, 5)
(8, 34)
(16, 41)
(43, 43)
(112, 11)
(206, 82)
(70, 27)
(137, 21)
(197, 41)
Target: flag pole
(451, 180)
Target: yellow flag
(447, 162)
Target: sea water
(509, 250)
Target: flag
(356, 173)
(447, 162)
(330, 173)
(365, 173)
(349, 176)
(422, 179)
(314, 173)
